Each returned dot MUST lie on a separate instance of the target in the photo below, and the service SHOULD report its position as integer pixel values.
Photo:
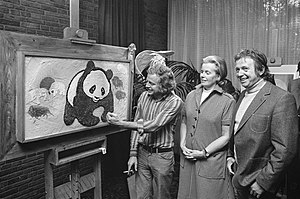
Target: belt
(156, 149)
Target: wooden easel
(73, 33)
(53, 157)
(72, 153)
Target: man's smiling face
(246, 72)
(153, 86)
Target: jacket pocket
(214, 167)
(259, 123)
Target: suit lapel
(258, 100)
(237, 105)
(198, 96)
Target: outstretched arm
(170, 112)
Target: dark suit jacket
(295, 90)
(266, 139)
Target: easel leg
(48, 176)
(97, 169)
(75, 178)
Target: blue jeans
(154, 174)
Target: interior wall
(24, 177)
(46, 17)
(156, 19)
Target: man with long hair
(152, 138)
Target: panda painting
(89, 90)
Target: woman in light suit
(205, 135)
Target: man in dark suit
(293, 176)
(295, 87)
(264, 127)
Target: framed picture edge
(20, 90)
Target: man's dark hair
(260, 61)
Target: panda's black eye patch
(102, 91)
(92, 89)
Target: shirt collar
(217, 88)
(163, 97)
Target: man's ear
(261, 71)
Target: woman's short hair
(260, 61)
(221, 66)
(166, 76)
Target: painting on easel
(65, 95)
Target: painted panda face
(96, 85)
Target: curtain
(121, 22)
(198, 28)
